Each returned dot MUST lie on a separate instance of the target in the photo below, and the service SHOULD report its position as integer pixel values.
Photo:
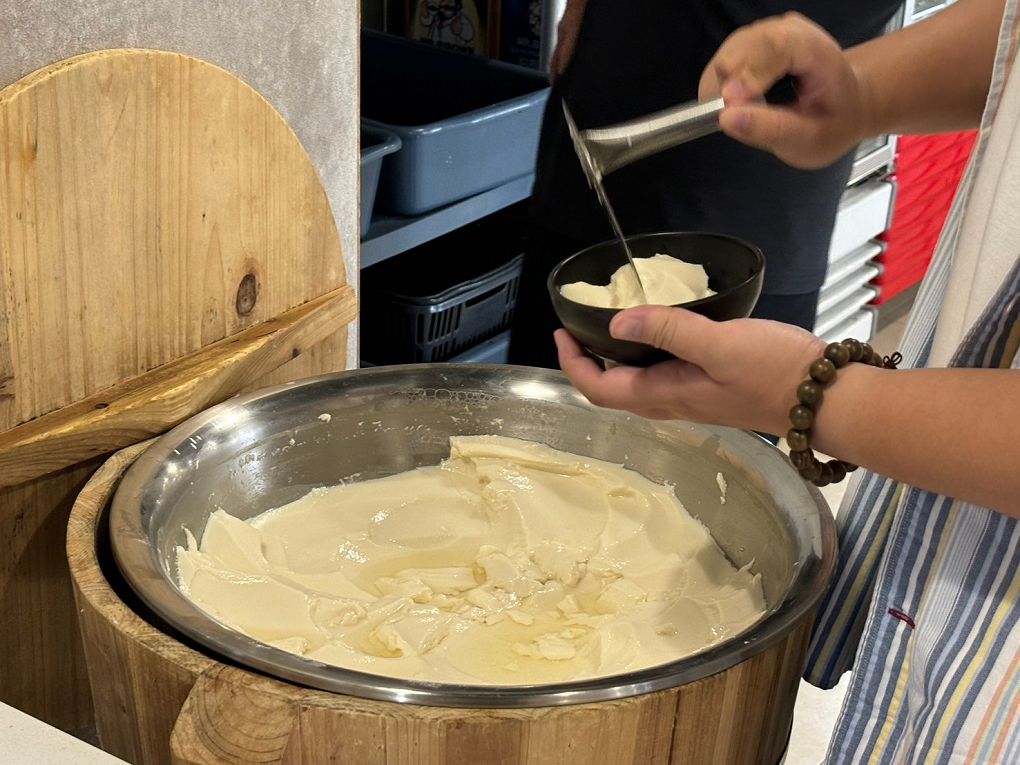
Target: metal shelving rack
(389, 235)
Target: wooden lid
(150, 204)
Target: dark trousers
(531, 342)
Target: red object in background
(928, 172)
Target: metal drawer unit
(864, 213)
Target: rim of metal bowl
(137, 560)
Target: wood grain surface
(42, 668)
(159, 701)
(156, 401)
(151, 204)
(164, 243)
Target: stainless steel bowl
(268, 448)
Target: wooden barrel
(161, 701)
(164, 243)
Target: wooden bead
(801, 459)
(825, 476)
(822, 371)
(812, 471)
(837, 354)
(801, 417)
(809, 393)
(868, 355)
(797, 439)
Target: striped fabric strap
(866, 513)
(942, 690)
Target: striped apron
(926, 605)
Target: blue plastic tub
(466, 124)
(376, 144)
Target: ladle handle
(618, 145)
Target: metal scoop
(594, 176)
(604, 150)
(608, 149)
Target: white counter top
(27, 741)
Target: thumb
(765, 127)
(685, 334)
(779, 130)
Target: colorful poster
(460, 25)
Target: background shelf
(390, 235)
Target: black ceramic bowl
(735, 271)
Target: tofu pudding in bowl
(715, 275)
(664, 280)
(469, 536)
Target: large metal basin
(268, 448)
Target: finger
(748, 63)
(574, 362)
(658, 392)
(616, 388)
(710, 84)
(685, 334)
(754, 58)
(791, 136)
(566, 346)
(603, 388)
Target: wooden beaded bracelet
(822, 373)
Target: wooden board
(164, 243)
(150, 204)
(159, 701)
(156, 401)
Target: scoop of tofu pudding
(666, 281)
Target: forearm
(932, 76)
(566, 38)
(575, 7)
(953, 431)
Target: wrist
(809, 419)
(786, 399)
(867, 123)
(845, 401)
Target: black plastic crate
(435, 301)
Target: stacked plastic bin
(451, 299)
(441, 250)
(928, 172)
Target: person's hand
(742, 373)
(831, 113)
(566, 38)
